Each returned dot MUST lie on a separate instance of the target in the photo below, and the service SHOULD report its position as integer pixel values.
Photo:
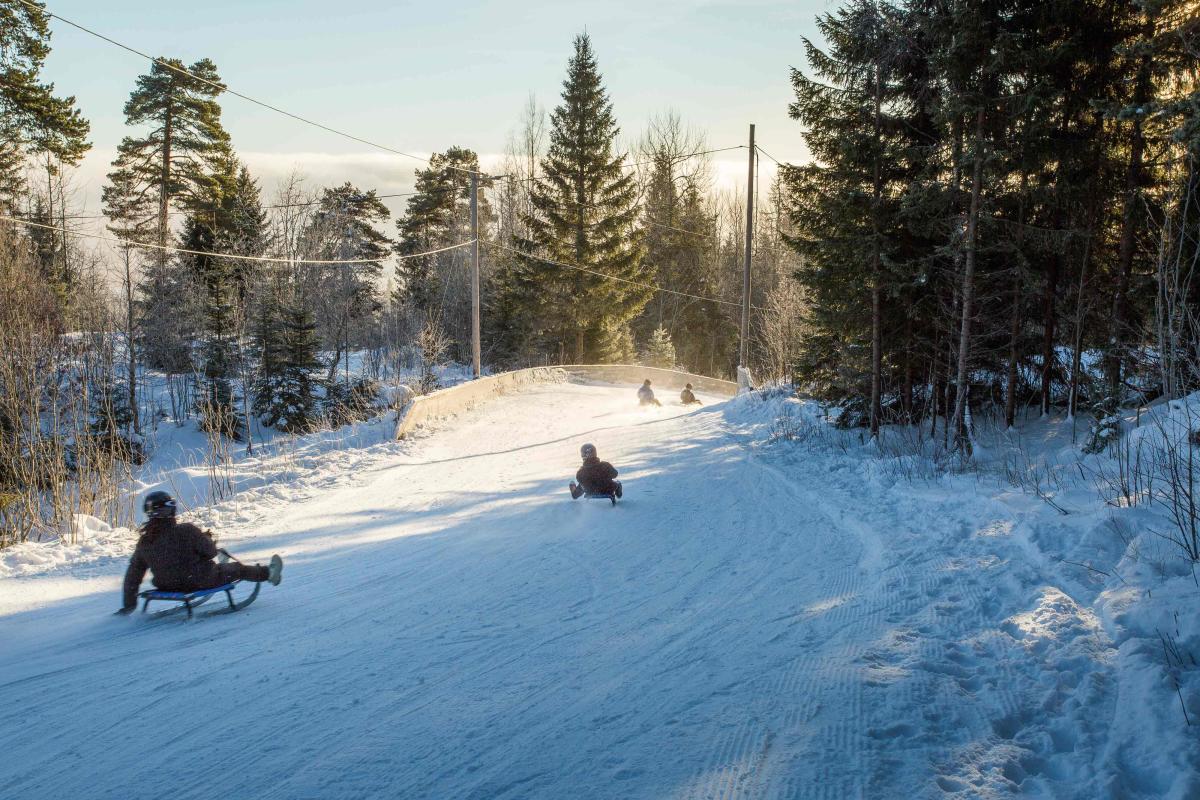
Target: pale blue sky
(423, 76)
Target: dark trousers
(234, 571)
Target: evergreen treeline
(1002, 209)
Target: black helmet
(588, 451)
(159, 505)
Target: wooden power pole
(475, 348)
(745, 333)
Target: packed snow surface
(749, 622)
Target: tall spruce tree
(227, 218)
(584, 214)
(680, 242)
(846, 204)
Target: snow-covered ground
(774, 619)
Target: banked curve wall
(456, 399)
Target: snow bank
(94, 541)
(1065, 620)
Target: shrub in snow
(347, 403)
(851, 413)
(1106, 425)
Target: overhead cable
(234, 256)
(224, 88)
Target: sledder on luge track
(180, 559)
(596, 479)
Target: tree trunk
(1125, 251)
(1077, 351)
(961, 440)
(1014, 332)
(906, 389)
(877, 268)
(164, 183)
(130, 353)
(1048, 331)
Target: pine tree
(165, 169)
(33, 121)
(345, 228)
(227, 218)
(291, 399)
(584, 215)
(170, 162)
(438, 215)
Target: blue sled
(199, 597)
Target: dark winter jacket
(596, 476)
(646, 396)
(687, 397)
(180, 556)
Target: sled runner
(604, 496)
(199, 597)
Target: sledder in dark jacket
(595, 476)
(687, 397)
(180, 556)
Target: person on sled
(595, 477)
(180, 556)
(687, 397)
(646, 395)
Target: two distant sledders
(646, 396)
(181, 557)
(595, 479)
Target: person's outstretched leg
(234, 571)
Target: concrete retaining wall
(456, 399)
(663, 381)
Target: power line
(275, 205)
(674, 159)
(768, 155)
(234, 256)
(597, 273)
(235, 93)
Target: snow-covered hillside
(760, 617)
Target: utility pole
(745, 343)
(475, 349)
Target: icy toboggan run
(452, 625)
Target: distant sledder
(687, 397)
(646, 395)
(180, 558)
(596, 479)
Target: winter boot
(617, 486)
(275, 570)
(576, 491)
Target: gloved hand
(124, 612)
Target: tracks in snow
(455, 626)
